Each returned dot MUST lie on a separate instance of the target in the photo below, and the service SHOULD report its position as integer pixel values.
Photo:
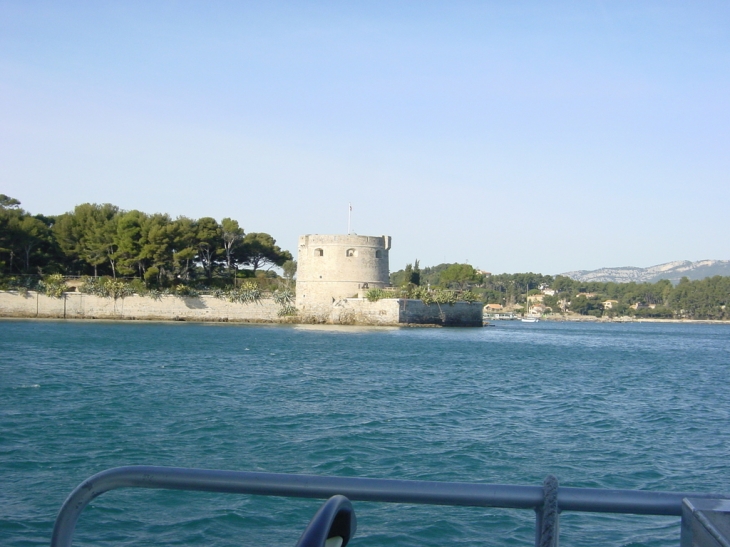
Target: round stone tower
(333, 267)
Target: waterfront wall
(400, 311)
(460, 314)
(168, 308)
(349, 311)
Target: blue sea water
(640, 406)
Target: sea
(610, 405)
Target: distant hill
(674, 271)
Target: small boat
(529, 319)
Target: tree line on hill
(699, 299)
(104, 240)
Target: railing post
(547, 525)
(538, 525)
(705, 523)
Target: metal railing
(592, 500)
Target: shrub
(248, 293)
(287, 310)
(373, 295)
(468, 296)
(138, 286)
(106, 287)
(22, 284)
(184, 290)
(53, 285)
(284, 297)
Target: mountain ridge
(673, 271)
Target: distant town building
(642, 306)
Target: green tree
(459, 275)
(564, 285)
(87, 235)
(156, 241)
(6, 202)
(129, 243)
(415, 277)
(10, 220)
(290, 269)
(398, 279)
(25, 240)
(232, 236)
(407, 275)
(208, 235)
(32, 236)
(103, 242)
(584, 305)
(431, 275)
(552, 302)
(260, 249)
(184, 245)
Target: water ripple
(611, 406)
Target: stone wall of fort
(73, 305)
(400, 311)
(348, 311)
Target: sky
(515, 136)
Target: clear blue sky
(520, 136)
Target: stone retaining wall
(398, 311)
(85, 306)
(460, 314)
(349, 311)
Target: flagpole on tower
(349, 214)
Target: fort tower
(333, 267)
